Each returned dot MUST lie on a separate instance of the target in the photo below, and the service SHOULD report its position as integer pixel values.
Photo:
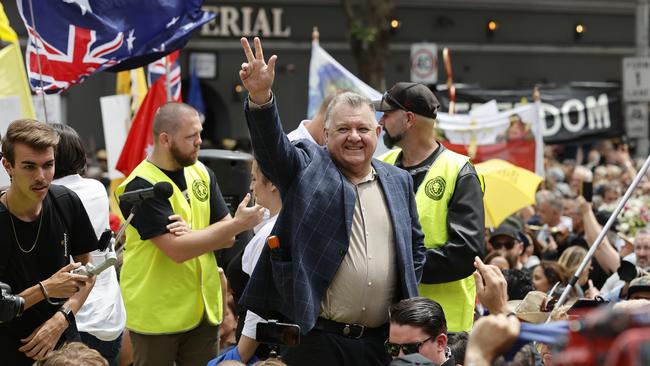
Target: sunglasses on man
(393, 349)
(498, 244)
(391, 100)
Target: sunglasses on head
(393, 349)
(392, 100)
(498, 244)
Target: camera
(10, 305)
(628, 271)
(278, 334)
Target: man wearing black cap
(507, 241)
(448, 196)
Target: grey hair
(549, 197)
(351, 99)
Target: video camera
(628, 271)
(10, 305)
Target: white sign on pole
(116, 113)
(11, 111)
(424, 63)
(636, 120)
(205, 63)
(636, 79)
(53, 105)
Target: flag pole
(38, 63)
(451, 88)
(315, 35)
(168, 87)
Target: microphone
(159, 190)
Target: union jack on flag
(70, 40)
(158, 69)
(61, 69)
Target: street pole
(643, 50)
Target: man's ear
(6, 165)
(378, 130)
(410, 119)
(325, 134)
(441, 342)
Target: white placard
(205, 63)
(11, 111)
(636, 120)
(424, 63)
(116, 114)
(636, 79)
(54, 106)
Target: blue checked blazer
(315, 222)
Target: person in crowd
(448, 195)
(547, 274)
(580, 175)
(641, 258)
(170, 283)
(41, 226)
(350, 240)
(556, 227)
(73, 354)
(497, 259)
(639, 288)
(102, 318)
(571, 259)
(313, 129)
(418, 325)
(491, 337)
(507, 241)
(520, 282)
(457, 343)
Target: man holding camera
(37, 238)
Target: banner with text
(570, 113)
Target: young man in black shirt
(37, 238)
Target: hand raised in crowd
(583, 204)
(491, 337)
(256, 75)
(44, 338)
(491, 287)
(591, 291)
(64, 284)
(249, 217)
(178, 227)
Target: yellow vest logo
(435, 188)
(200, 190)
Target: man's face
(352, 136)
(186, 142)
(548, 214)
(433, 348)
(32, 171)
(509, 247)
(394, 124)
(642, 250)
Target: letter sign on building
(636, 79)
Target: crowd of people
(371, 262)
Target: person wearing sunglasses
(449, 199)
(418, 325)
(506, 240)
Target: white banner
(116, 114)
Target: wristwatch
(67, 312)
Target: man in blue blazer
(350, 240)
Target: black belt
(354, 331)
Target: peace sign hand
(256, 75)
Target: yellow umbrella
(508, 188)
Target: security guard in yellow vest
(448, 195)
(170, 280)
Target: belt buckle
(347, 329)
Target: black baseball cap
(413, 97)
(504, 230)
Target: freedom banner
(513, 135)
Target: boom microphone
(162, 190)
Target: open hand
(178, 227)
(256, 75)
(249, 217)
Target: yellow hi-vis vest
(160, 295)
(457, 298)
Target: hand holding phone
(275, 333)
(587, 191)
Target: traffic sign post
(424, 63)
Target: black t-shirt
(58, 238)
(419, 171)
(151, 218)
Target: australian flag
(73, 39)
(158, 68)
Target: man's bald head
(169, 118)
